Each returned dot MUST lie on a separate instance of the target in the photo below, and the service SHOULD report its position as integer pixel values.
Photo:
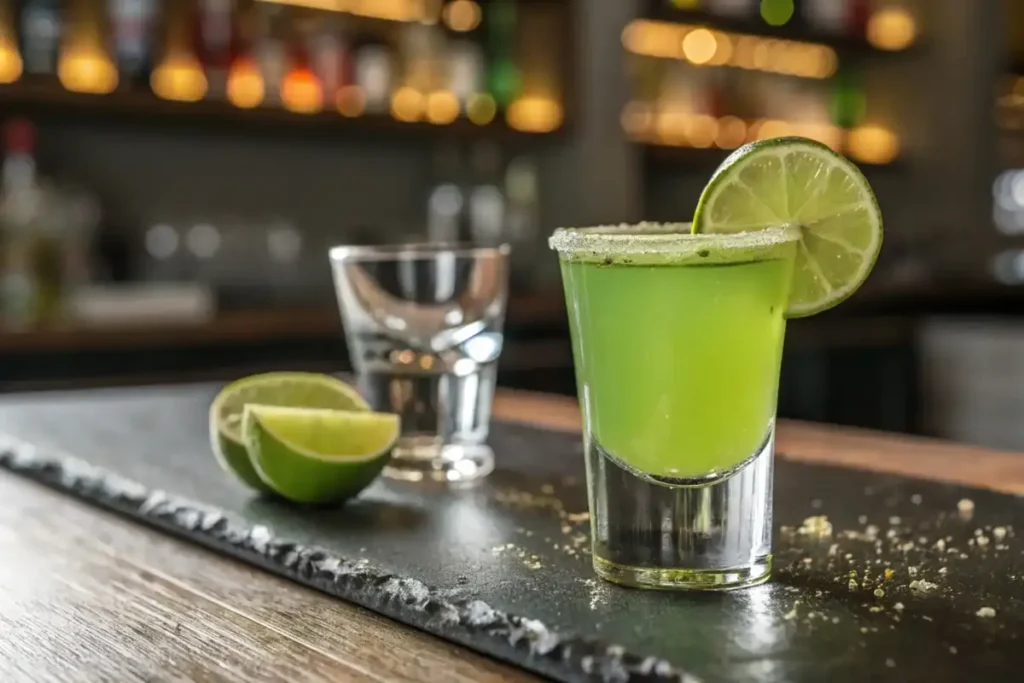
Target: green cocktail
(677, 353)
(677, 337)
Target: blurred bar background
(174, 172)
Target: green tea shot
(678, 334)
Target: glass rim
(413, 250)
(667, 240)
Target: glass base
(452, 463)
(712, 533)
(753, 574)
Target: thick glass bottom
(712, 533)
(654, 578)
(426, 460)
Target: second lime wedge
(803, 183)
(303, 389)
(317, 455)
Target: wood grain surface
(825, 444)
(87, 597)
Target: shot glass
(423, 323)
(677, 343)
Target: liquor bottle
(245, 87)
(503, 78)
(301, 90)
(446, 204)
(522, 218)
(466, 70)
(486, 197)
(131, 31)
(374, 75)
(271, 53)
(848, 102)
(28, 254)
(215, 32)
(829, 16)
(40, 35)
(734, 9)
(178, 74)
(858, 12)
(328, 54)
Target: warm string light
(705, 47)
(351, 101)
(84, 65)
(462, 15)
(301, 92)
(534, 114)
(873, 145)
(87, 68)
(442, 107)
(10, 60)
(180, 78)
(892, 28)
(389, 10)
(407, 104)
(481, 108)
(678, 127)
(245, 88)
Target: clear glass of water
(423, 324)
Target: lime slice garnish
(317, 455)
(299, 389)
(800, 182)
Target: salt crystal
(999, 533)
(818, 526)
(986, 612)
(916, 499)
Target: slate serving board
(504, 567)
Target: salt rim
(652, 243)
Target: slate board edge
(519, 640)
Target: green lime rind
(318, 456)
(803, 183)
(653, 244)
(307, 389)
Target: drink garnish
(800, 182)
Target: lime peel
(286, 446)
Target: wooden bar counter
(86, 595)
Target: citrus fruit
(302, 389)
(317, 455)
(802, 183)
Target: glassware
(423, 324)
(677, 343)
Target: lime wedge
(301, 389)
(803, 183)
(316, 455)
